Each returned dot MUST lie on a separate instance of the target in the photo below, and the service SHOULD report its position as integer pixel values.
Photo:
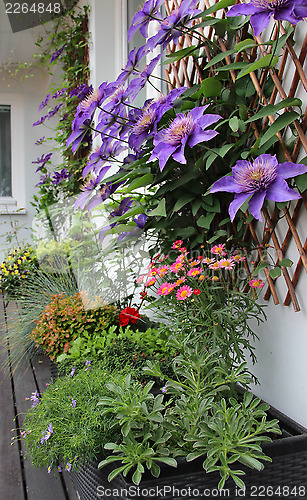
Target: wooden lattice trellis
(188, 72)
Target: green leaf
(219, 58)
(301, 182)
(179, 54)
(271, 109)
(274, 273)
(235, 65)
(140, 182)
(285, 263)
(205, 221)
(159, 211)
(245, 44)
(222, 4)
(238, 481)
(211, 87)
(218, 234)
(259, 268)
(265, 62)
(183, 200)
(234, 123)
(281, 122)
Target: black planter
(285, 477)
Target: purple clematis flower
(264, 179)
(44, 103)
(132, 65)
(89, 188)
(60, 176)
(144, 126)
(262, 10)
(57, 53)
(172, 28)
(184, 130)
(143, 17)
(42, 161)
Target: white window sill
(10, 207)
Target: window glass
(5, 151)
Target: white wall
(31, 85)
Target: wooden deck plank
(11, 481)
(11, 485)
(39, 484)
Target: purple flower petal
(260, 21)
(280, 191)
(288, 170)
(242, 9)
(255, 204)
(238, 201)
(226, 184)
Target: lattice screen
(289, 81)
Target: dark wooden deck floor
(19, 480)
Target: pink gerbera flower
(153, 272)
(176, 267)
(180, 258)
(150, 282)
(140, 279)
(165, 289)
(194, 263)
(180, 281)
(215, 265)
(226, 264)
(184, 292)
(194, 272)
(218, 249)
(238, 257)
(162, 270)
(256, 283)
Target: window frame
(16, 202)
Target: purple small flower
(34, 398)
(73, 403)
(42, 161)
(49, 469)
(54, 111)
(59, 93)
(88, 365)
(261, 11)
(264, 179)
(44, 103)
(184, 130)
(40, 141)
(47, 435)
(59, 468)
(73, 371)
(44, 178)
(163, 389)
(60, 176)
(68, 467)
(57, 53)
(39, 122)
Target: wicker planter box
(285, 477)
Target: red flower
(128, 314)
(197, 291)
